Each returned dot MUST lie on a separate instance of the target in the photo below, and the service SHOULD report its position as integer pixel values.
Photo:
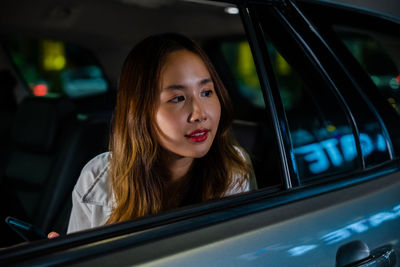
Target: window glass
(380, 57)
(54, 68)
(322, 138)
(314, 117)
(343, 107)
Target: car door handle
(357, 253)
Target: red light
(398, 79)
(40, 90)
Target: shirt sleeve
(80, 214)
(89, 197)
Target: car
(315, 87)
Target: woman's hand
(52, 235)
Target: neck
(178, 166)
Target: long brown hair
(137, 177)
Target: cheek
(216, 112)
(162, 120)
(167, 122)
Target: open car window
(69, 109)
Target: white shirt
(92, 199)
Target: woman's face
(188, 112)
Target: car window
(348, 130)
(59, 75)
(379, 56)
(321, 135)
(322, 138)
(371, 59)
(320, 129)
(55, 68)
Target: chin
(200, 154)
(195, 153)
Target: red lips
(198, 135)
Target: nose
(197, 113)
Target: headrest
(245, 133)
(36, 122)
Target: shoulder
(239, 183)
(93, 184)
(242, 153)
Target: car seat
(8, 108)
(50, 143)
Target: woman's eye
(177, 99)
(206, 93)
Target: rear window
(53, 68)
(378, 55)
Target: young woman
(170, 143)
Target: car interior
(55, 119)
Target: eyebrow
(181, 87)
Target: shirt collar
(99, 192)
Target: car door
(337, 175)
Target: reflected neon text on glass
(322, 155)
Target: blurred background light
(231, 10)
(40, 90)
(53, 53)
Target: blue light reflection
(360, 226)
(347, 231)
(320, 156)
(300, 250)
